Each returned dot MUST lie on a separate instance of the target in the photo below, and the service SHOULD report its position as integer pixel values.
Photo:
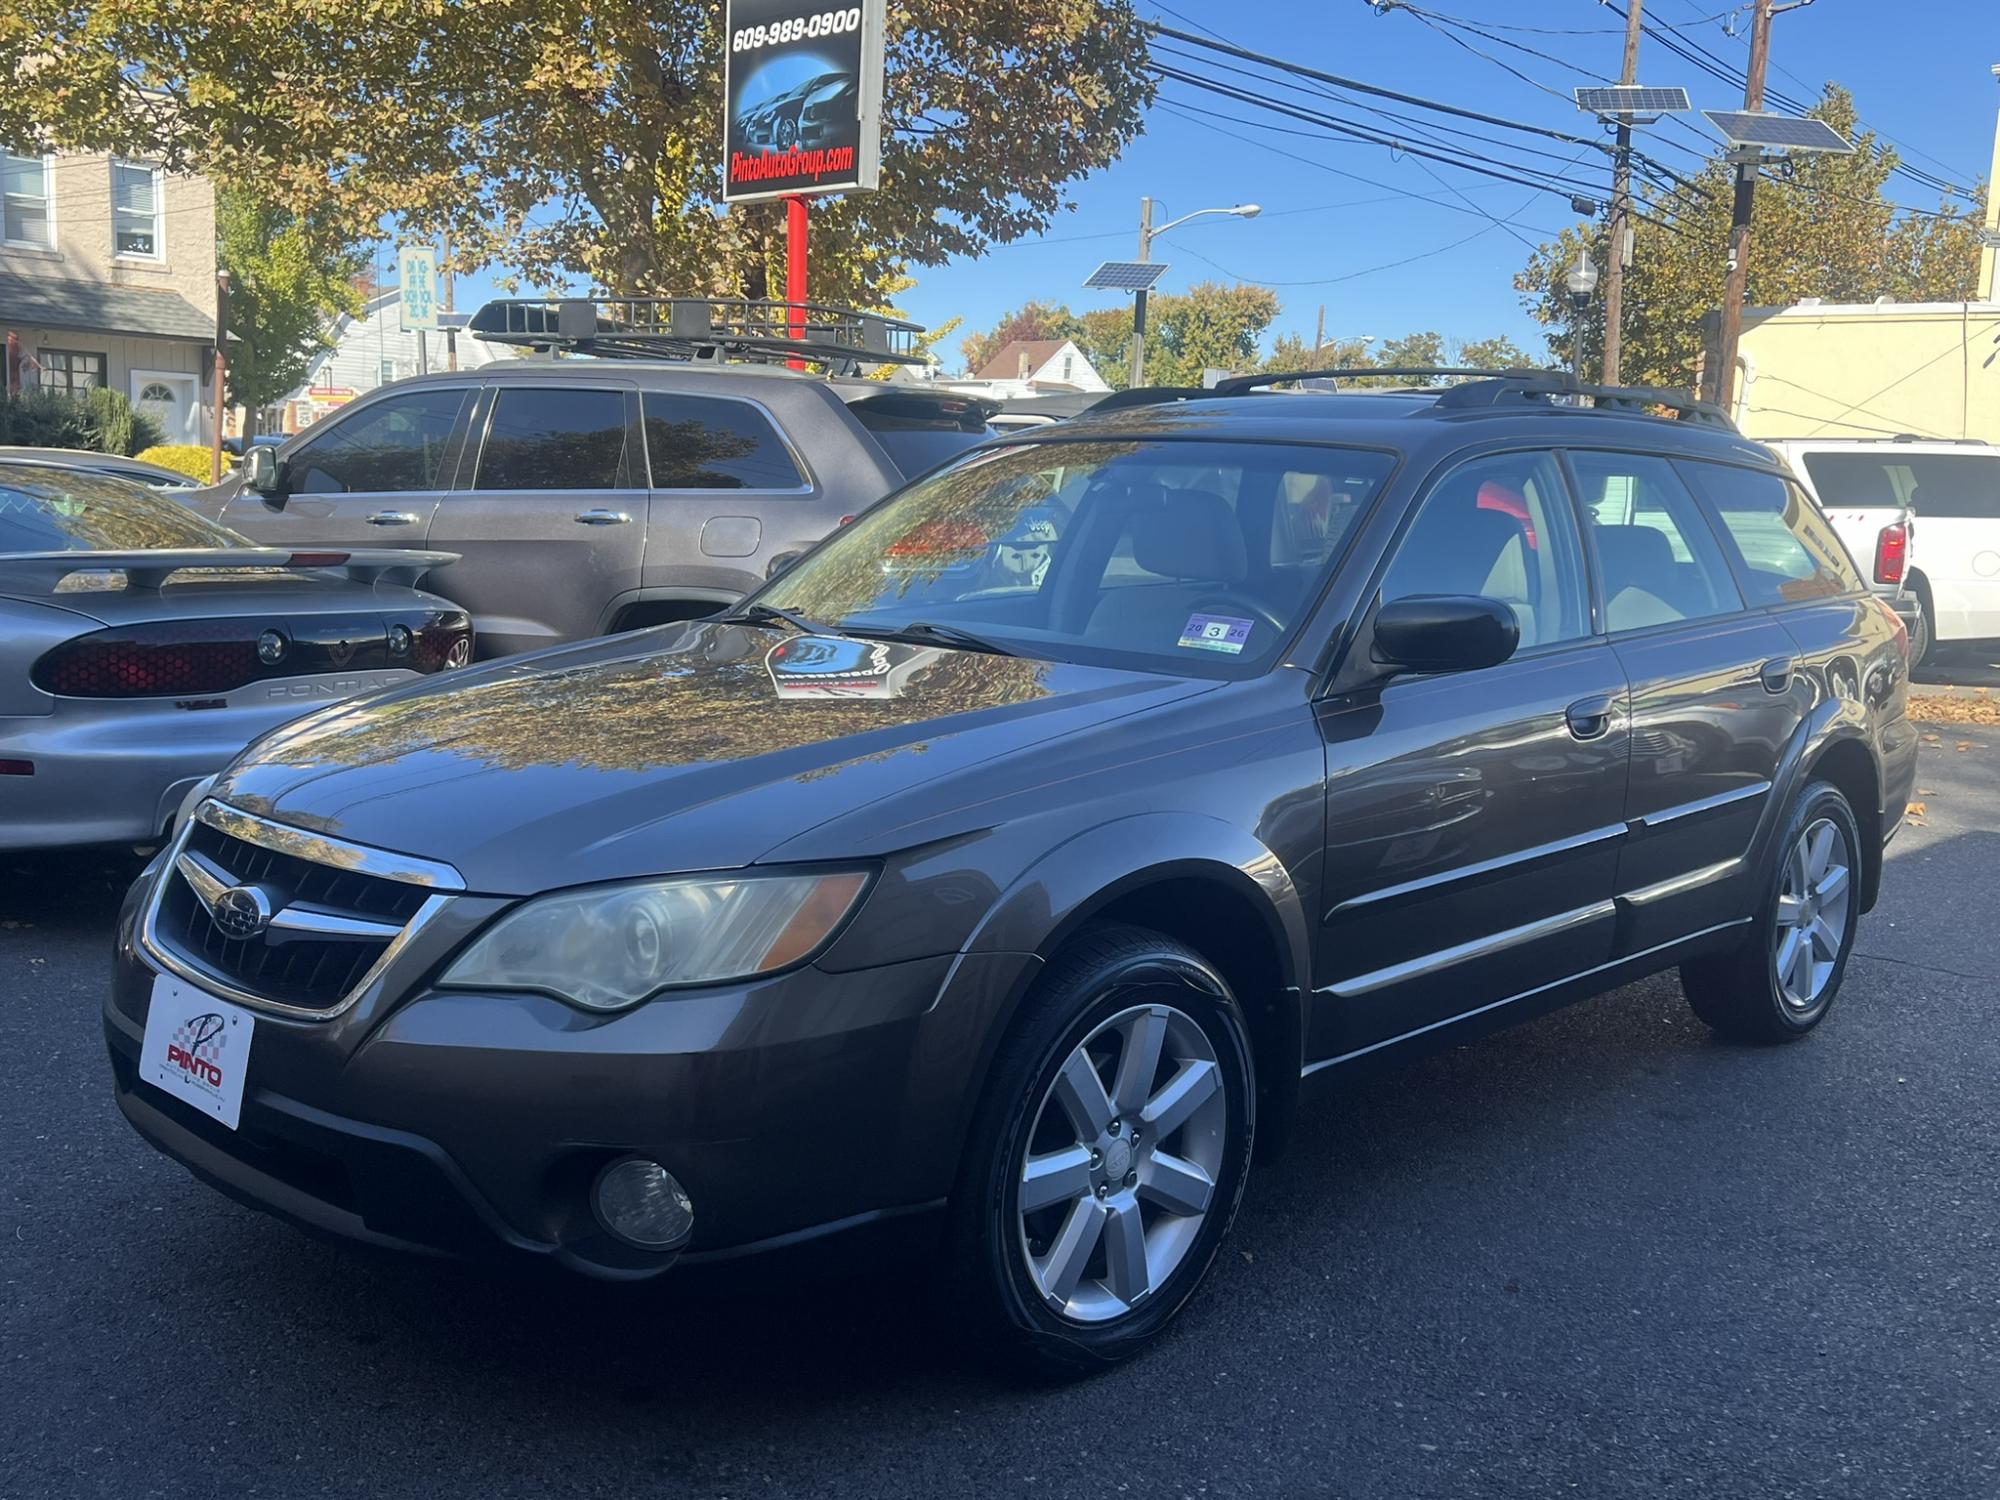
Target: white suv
(1950, 542)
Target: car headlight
(608, 947)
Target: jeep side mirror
(260, 470)
(1445, 633)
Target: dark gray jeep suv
(996, 876)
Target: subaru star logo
(241, 912)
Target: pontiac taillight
(160, 660)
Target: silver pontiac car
(142, 647)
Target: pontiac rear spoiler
(40, 573)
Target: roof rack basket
(845, 340)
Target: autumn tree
(1826, 231)
(1500, 353)
(1209, 326)
(1035, 320)
(582, 135)
(289, 278)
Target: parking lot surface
(1600, 1255)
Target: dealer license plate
(197, 1048)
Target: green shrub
(103, 422)
(187, 458)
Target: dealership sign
(802, 98)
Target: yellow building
(1862, 370)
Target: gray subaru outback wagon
(995, 878)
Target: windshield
(1191, 557)
(64, 510)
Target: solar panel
(1631, 99)
(1126, 275)
(1780, 132)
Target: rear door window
(555, 439)
(1657, 559)
(393, 445)
(1786, 551)
(705, 443)
(1946, 485)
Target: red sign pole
(795, 268)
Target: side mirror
(260, 470)
(782, 563)
(1445, 633)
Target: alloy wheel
(1120, 1164)
(1815, 901)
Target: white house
(1035, 367)
(371, 349)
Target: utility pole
(221, 374)
(1621, 193)
(1319, 334)
(1990, 249)
(1736, 287)
(1139, 297)
(444, 287)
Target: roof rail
(1237, 384)
(843, 339)
(1522, 387)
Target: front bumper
(473, 1125)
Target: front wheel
(1107, 1157)
(1780, 984)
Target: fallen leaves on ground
(1926, 708)
(1916, 809)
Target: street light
(1581, 281)
(1146, 234)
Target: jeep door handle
(1776, 674)
(392, 518)
(1589, 718)
(602, 517)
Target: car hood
(684, 748)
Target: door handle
(602, 517)
(1776, 674)
(1589, 718)
(392, 518)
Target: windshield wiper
(764, 614)
(927, 630)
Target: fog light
(270, 648)
(640, 1202)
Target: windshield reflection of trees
(949, 521)
(710, 701)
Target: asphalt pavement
(1600, 1255)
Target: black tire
(1923, 632)
(992, 1295)
(1738, 993)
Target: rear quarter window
(1946, 485)
(919, 435)
(1784, 549)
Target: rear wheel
(1923, 635)
(1783, 980)
(1107, 1157)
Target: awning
(47, 302)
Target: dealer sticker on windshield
(197, 1048)
(1216, 633)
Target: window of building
(136, 200)
(700, 443)
(1657, 559)
(1500, 528)
(70, 371)
(27, 201)
(396, 444)
(386, 372)
(554, 440)
(1786, 549)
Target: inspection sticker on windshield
(197, 1048)
(1216, 633)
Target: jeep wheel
(1107, 1157)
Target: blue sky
(1919, 70)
